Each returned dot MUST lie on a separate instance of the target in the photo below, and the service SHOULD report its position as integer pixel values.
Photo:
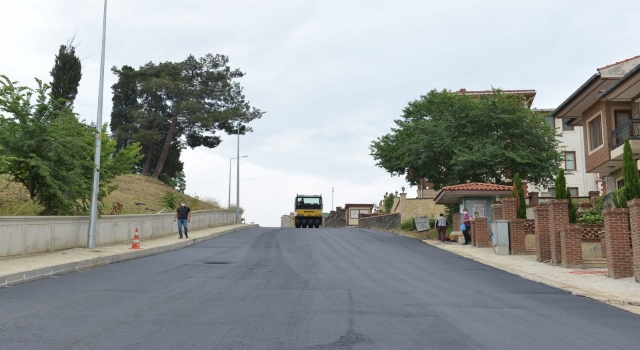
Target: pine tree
(66, 74)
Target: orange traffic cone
(136, 241)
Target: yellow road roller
(308, 211)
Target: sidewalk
(590, 283)
(28, 268)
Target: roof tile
(477, 186)
(613, 64)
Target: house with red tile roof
(607, 106)
(476, 197)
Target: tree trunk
(147, 161)
(167, 145)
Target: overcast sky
(332, 75)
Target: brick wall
(387, 221)
(634, 214)
(616, 227)
(472, 232)
(534, 199)
(571, 246)
(542, 222)
(496, 212)
(518, 232)
(480, 227)
(509, 209)
(559, 218)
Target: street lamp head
(402, 189)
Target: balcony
(627, 131)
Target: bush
(171, 200)
(591, 217)
(407, 225)
(432, 222)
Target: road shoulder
(32, 267)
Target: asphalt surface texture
(272, 288)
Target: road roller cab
(308, 211)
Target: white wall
(572, 141)
(22, 235)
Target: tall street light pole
(238, 179)
(93, 213)
(229, 203)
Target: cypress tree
(66, 74)
(561, 185)
(522, 205)
(630, 173)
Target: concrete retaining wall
(23, 235)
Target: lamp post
(229, 203)
(93, 211)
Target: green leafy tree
(388, 203)
(450, 138)
(66, 74)
(522, 205)
(188, 100)
(50, 152)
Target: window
(570, 160)
(565, 124)
(353, 213)
(551, 122)
(573, 191)
(552, 191)
(595, 133)
(620, 183)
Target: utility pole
(93, 213)
(331, 198)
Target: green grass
(138, 195)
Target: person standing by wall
(183, 214)
(441, 227)
(466, 220)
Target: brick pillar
(592, 196)
(496, 212)
(634, 214)
(517, 236)
(616, 228)
(456, 221)
(542, 223)
(585, 205)
(571, 246)
(472, 232)
(509, 209)
(480, 227)
(534, 199)
(559, 218)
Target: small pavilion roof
(453, 194)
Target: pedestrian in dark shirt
(441, 227)
(466, 220)
(183, 214)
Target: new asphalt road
(271, 288)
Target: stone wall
(419, 207)
(385, 221)
(336, 219)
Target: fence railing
(627, 131)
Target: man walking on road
(441, 227)
(183, 214)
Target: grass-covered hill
(138, 195)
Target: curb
(61, 269)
